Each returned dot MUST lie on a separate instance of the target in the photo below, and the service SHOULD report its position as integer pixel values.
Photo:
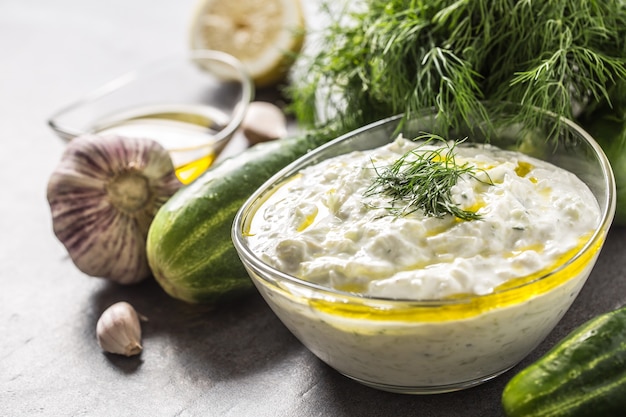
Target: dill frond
(388, 57)
(422, 179)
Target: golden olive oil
(187, 132)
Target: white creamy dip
(320, 225)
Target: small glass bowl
(190, 104)
(433, 346)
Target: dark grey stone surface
(237, 360)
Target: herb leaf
(388, 57)
(422, 179)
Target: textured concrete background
(237, 360)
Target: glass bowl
(191, 104)
(432, 346)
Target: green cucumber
(583, 375)
(189, 245)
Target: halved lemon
(263, 34)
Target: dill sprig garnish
(422, 179)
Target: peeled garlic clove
(119, 330)
(103, 196)
(263, 122)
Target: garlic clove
(263, 122)
(119, 330)
(103, 196)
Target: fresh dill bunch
(386, 57)
(422, 179)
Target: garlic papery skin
(103, 196)
(119, 330)
(263, 122)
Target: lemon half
(263, 34)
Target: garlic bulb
(103, 196)
(119, 330)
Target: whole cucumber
(189, 245)
(583, 375)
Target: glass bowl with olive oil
(192, 105)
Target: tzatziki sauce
(324, 227)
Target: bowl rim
(607, 211)
(67, 133)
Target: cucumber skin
(583, 375)
(189, 245)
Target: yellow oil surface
(186, 132)
(467, 306)
(523, 168)
(187, 173)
